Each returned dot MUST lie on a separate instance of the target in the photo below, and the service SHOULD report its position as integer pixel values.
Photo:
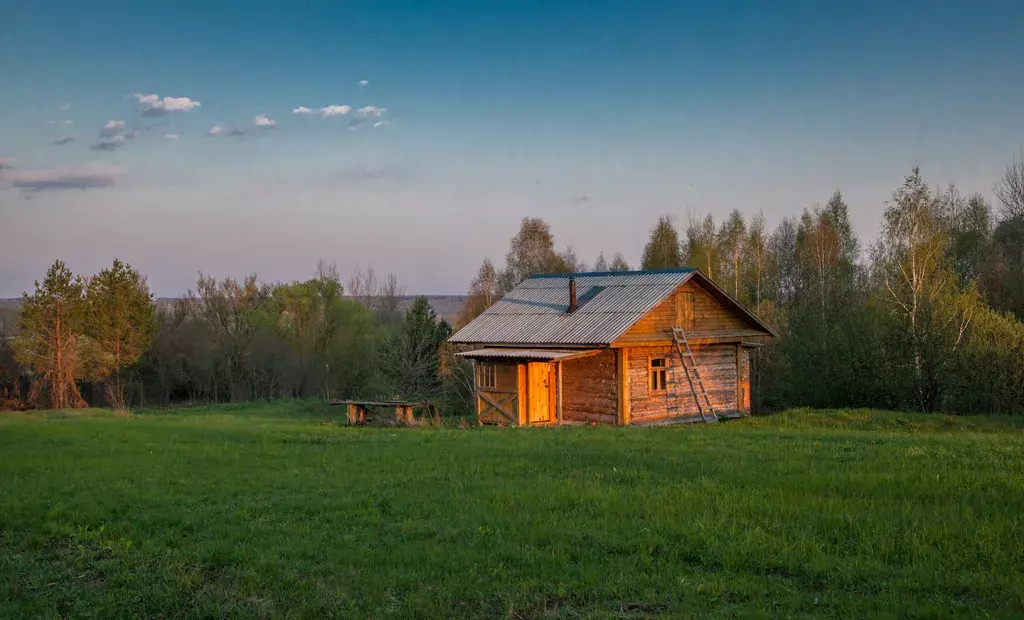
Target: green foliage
(120, 319)
(662, 250)
(483, 292)
(50, 334)
(988, 375)
(272, 511)
(702, 247)
(411, 359)
(532, 251)
(236, 342)
(618, 263)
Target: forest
(927, 317)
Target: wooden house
(635, 347)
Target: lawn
(278, 511)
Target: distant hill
(447, 307)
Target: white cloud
(179, 104)
(335, 110)
(331, 110)
(64, 107)
(160, 107)
(216, 130)
(364, 83)
(51, 122)
(171, 136)
(69, 122)
(109, 144)
(95, 174)
(382, 123)
(263, 121)
(371, 110)
(112, 128)
(61, 141)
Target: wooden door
(684, 311)
(538, 408)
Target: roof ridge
(610, 273)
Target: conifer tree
(49, 334)
(120, 321)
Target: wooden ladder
(679, 337)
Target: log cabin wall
(708, 315)
(504, 394)
(717, 364)
(589, 389)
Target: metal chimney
(572, 295)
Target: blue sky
(597, 116)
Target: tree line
(927, 317)
(226, 341)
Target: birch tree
(919, 286)
(702, 246)
(483, 292)
(662, 249)
(731, 239)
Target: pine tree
(662, 250)
(120, 321)
(412, 359)
(49, 334)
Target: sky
(231, 138)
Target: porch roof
(545, 355)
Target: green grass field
(275, 511)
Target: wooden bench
(361, 411)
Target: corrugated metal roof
(528, 354)
(535, 312)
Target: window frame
(487, 376)
(657, 375)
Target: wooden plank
(739, 377)
(523, 394)
(622, 385)
(558, 407)
(381, 403)
(499, 407)
(695, 338)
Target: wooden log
(622, 386)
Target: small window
(488, 376)
(659, 374)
